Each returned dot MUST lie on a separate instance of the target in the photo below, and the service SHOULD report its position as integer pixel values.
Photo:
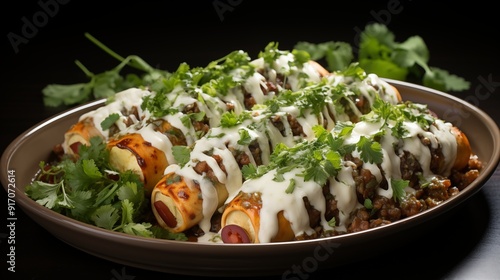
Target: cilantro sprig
(105, 84)
(381, 54)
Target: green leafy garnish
(181, 154)
(316, 158)
(370, 150)
(398, 189)
(368, 204)
(245, 138)
(291, 186)
(109, 121)
(89, 190)
(231, 119)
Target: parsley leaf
(316, 158)
(45, 194)
(249, 171)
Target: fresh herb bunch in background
(378, 53)
(105, 84)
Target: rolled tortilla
(177, 202)
(79, 134)
(464, 150)
(319, 68)
(175, 205)
(132, 152)
(240, 221)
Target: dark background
(462, 38)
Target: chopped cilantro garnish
(181, 154)
(398, 189)
(368, 204)
(291, 186)
(245, 138)
(332, 222)
(316, 158)
(370, 150)
(231, 119)
(109, 121)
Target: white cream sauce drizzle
(344, 190)
(214, 107)
(275, 199)
(123, 101)
(222, 138)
